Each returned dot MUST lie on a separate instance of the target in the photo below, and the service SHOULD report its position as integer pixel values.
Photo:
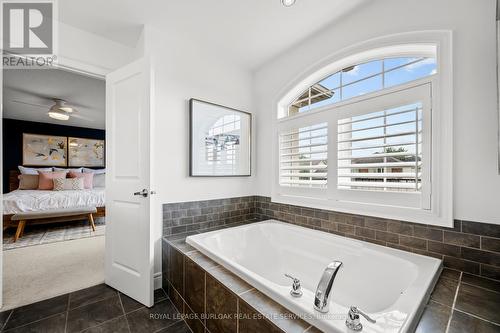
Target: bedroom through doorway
(54, 171)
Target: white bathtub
(390, 285)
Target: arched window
(361, 79)
(362, 135)
(370, 132)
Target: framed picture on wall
(220, 140)
(85, 152)
(44, 150)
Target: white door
(129, 241)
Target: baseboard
(157, 280)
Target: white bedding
(19, 201)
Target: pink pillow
(88, 178)
(45, 179)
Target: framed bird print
(44, 150)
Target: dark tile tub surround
(471, 247)
(214, 300)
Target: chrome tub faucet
(323, 291)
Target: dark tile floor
(95, 309)
(462, 303)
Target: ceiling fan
(61, 110)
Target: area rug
(51, 233)
(35, 273)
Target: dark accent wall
(13, 140)
(471, 247)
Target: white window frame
(440, 209)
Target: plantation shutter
(381, 151)
(303, 156)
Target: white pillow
(68, 170)
(32, 171)
(99, 180)
(65, 184)
(94, 171)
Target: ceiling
(39, 86)
(249, 32)
(246, 32)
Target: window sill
(407, 214)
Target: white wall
(476, 179)
(89, 52)
(182, 71)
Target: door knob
(144, 192)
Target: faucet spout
(323, 292)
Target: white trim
(414, 44)
(383, 211)
(498, 83)
(1, 165)
(157, 280)
(78, 67)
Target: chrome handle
(353, 322)
(367, 317)
(143, 193)
(296, 288)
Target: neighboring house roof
(363, 160)
(318, 94)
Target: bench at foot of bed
(50, 216)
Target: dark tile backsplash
(199, 215)
(468, 246)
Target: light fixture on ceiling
(59, 115)
(66, 109)
(288, 3)
(59, 110)
(60, 105)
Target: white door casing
(129, 232)
(1, 173)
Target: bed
(22, 201)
